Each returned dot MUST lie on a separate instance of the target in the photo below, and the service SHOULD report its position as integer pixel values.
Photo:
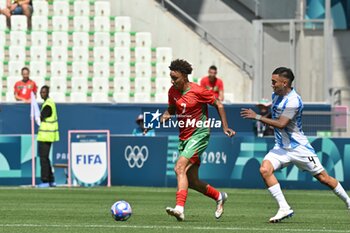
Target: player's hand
(248, 113)
(229, 132)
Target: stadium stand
(81, 51)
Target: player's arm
(220, 108)
(279, 123)
(168, 113)
(221, 95)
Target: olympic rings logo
(136, 156)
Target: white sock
(179, 208)
(220, 197)
(276, 192)
(340, 192)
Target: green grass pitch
(88, 210)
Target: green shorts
(193, 147)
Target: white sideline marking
(173, 227)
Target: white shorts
(302, 157)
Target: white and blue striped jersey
(290, 106)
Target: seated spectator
(139, 131)
(24, 87)
(213, 83)
(262, 129)
(18, 7)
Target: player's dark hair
(25, 68)
(181, 65)
(285, 72)
(46, 87)
(213, 68)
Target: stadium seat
(18, 23)
(58, 97)
(122, 39)
(81, 8)
(17, 53)
(81, 39)
(39, 23)
(101, 54)
(100, 85)
(143, 70)
(102, 8)
(122, 24)
(142, 98)
(60, 8)
(164, 55)
(121, 97)
(161, 98)
(18, 38)
(60, 23)
(39, 39)
(122, 85)
(39, 81)
(38, 53)
(59, 53)
(99, 97)
(229, 97)
(1, 69)
(102, 24)
(143, 39)
(41, 8)
(80, 54)
(142, 85)
(2, 55)
(10, 96)
(162, 70)
(143, 54)
(80, 69)
(58, 69)
(2, 38)
(121, 70)
(10, 83)
(121, 54)
(3, 25)
(58, 84)
(38, 69)
(60, 39)
(81, 23)
(163, 85)
(79, 84)
(15, 68)
(101, 39)
(101, 69)
(78, 97)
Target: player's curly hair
(181, 65)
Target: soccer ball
(121, 211)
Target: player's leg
(274, 160)
(181, 167)
(206, 189)
(335, 185)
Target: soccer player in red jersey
(189, 102)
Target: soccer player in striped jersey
(291, 145)
(189, 102)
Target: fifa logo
(136, 156)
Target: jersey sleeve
(221, 85)
(171, 100)
(35, 87)
(291, 108)
(206, 96)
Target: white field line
(171, 227)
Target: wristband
(258, 117)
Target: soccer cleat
(220, 205)
(282, 214)
(177, 214)
(43, 185)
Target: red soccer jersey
(191, 106)
(215, 87)
(23, 89)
